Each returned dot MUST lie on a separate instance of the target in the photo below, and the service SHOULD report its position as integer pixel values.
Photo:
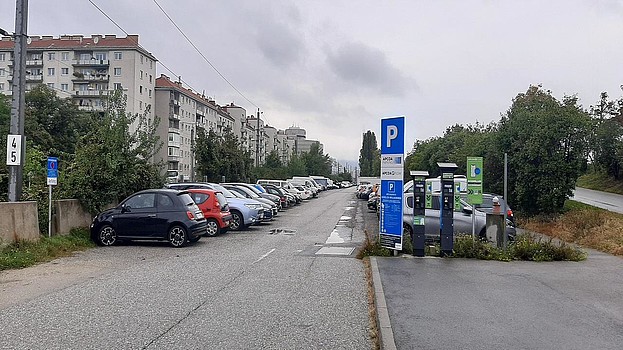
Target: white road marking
(265, 255)
(334, 238)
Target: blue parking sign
(52, 171)
(392, 163)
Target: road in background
(605, 200)
(292, 284)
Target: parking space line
(265, 255)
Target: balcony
(98, 77)
(92, 62)
(34, 78)
(91, 93)
(34, 63)
(173, 158)
(175, 102)
(201, 113)
(174, 116)
(92, 108)
(175, 144)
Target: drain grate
(335, 251)
(282, 231)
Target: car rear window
(199, 198)
(222, 200)
(186, 199)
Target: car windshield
(248, 191)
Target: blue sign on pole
(52, 171)
(392, 164)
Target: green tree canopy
(369, 156)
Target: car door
(136, 216)
(168, 212)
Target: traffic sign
(52, 171)
(474, 180)
(392, 175)
(14, 150)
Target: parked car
(244, 212)
(186, 185)
(287, 199)
(215, 208)
(157, 214)
(462, 220)
(248, 193)
(275, 199)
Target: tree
(112, 161)
(606, 142)
(369, 156)
(316, 163)
(546, 141)
(296, 166)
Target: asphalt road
(605, 200)
(248, 290)
(437, 303)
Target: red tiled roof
(77, 42)
(164, 82)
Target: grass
(582, 224)
(600, 182)
(372, 315)
(372, 248)
(26, 253)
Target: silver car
(462, 220)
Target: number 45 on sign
(14, 150)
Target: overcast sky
(336, 67)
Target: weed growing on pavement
(525, 247)
(26, 253)
(372, 248)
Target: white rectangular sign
(14, 150)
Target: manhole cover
(335, 251)
(282, 231)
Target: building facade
(86, 69)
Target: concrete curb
(385, 328)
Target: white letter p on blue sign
(392, 133)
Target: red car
(214, 206)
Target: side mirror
(125, 208)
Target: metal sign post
(392, 163)
(52, 181)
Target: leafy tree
(5, 118)
(296, 166)
(112, 161)
(369, 156)
(546, 143)
(316, 163)
(221, 156)
(606, 142)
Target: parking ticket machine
(446, 224)
(419, 212)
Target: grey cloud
(369, 68)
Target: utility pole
(18, 97)
(257, 141)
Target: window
(51, 85)
(2, 56)
(2, 72)
(118, 56)
(140, 89)
(150, 78)
(50, 71)
(140, 104)
(1, 86)
(51, 56)
(117, 86)
(141, 201)
(101, 56)
(141, 59)
(64, 87)
(151, 64)
(117, 72)
(149, 92)
(85, 56)
(165, 201)
(141, 75)
(64, 71)
(64, 56)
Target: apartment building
(181, 112)
(299, 137)
(86, 69)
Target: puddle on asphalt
(282, 231)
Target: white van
(278, 183)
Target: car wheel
(407, 231)
(213, 229)
(237, 222)
(177, 236)
(106, 236)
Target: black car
(157, 214)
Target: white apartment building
(181, 112)
(301, 143)
(86, 69)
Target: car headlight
(253, 206)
